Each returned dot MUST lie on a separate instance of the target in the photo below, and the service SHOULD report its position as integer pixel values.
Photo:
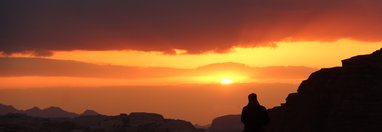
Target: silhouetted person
(254, 116)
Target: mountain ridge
(50, 112)
(57, 119)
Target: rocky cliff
(347, 98)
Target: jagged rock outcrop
(347, 98)
(227, 123)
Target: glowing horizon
(308, 54)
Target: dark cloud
(192, 25)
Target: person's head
(252, 97)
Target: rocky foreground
(339, 99)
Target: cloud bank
(193, 25)
(19, 67)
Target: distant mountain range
(57, 120)
(51, 112)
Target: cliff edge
(347, 98)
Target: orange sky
(280, 68)
(179, 67)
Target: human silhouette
(254, 116)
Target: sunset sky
(187, 59)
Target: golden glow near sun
(222, 78)
(226, 81)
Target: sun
(226, 81)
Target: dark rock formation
(117, 123)
(275, 122)
(181, 126)
(17, 122)
(347, 98)
(140, 118)
(146, 122)
(92, 122)
(227, 123)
